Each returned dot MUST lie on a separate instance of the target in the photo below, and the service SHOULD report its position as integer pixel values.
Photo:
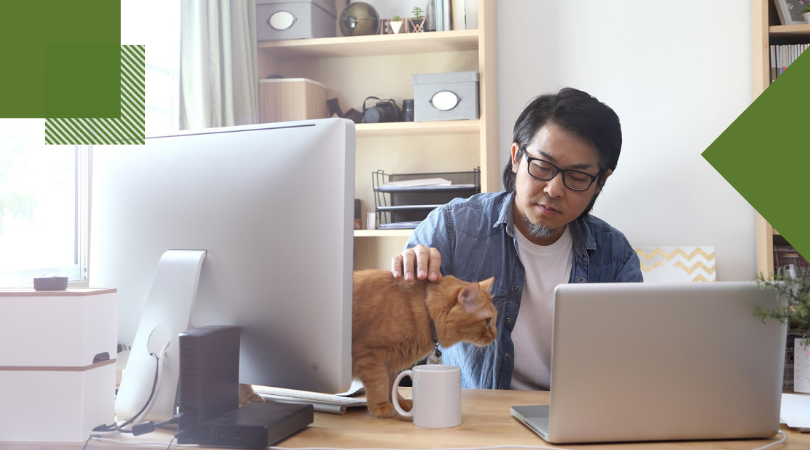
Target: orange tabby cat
(391, 327)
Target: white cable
(528, 447)
(531, 447)
(134, 442)
(784, 438)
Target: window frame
(77, 271)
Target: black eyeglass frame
(557, 170)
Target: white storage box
(57, 363)
(445, 96)
(285, 99)
(295, 19)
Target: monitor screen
(272, 206)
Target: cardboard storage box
(57, 363)
(286, 99)
(445, 96)
(295, 19)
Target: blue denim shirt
(476, 240)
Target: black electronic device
(209, 377)
(255, 425)
(407, 110)
(383, 111)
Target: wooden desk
(487, 421)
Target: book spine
(459, 13)
(439, 15)
(447, 15)
(472, 14)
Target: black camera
(383, 111)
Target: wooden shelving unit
(389, 44)
(791, 31)
(353, 68)
(766, 30)
(418, 128)
(382, 233)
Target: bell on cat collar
(435, 356)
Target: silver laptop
(662, 361)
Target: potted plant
(805, 10)
(417, 22)
(396, 24)
(793, 309)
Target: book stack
(456, 14)
(782, 56)
(787, 254)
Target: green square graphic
(88, 84)
(28, 27)
(21, 89)
(129, 128)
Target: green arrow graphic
(765, 154)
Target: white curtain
(218, 74)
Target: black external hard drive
(255, 425)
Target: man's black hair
(576, 112)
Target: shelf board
(802, 30)
(382, 233)
(417, 128)
(375, 45)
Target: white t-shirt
(546, 267)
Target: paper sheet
(795, 412)
(419, 182)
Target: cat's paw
(383, 410)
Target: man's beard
(538, 231)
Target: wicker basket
(285, 99)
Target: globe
(359, 19)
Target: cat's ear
(468, 297)
(486, 285)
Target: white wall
(677, 74)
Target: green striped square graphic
(89, 81)
(129, 127)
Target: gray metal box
(445, 96)
(295, 19)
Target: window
(43, 205)
(162, 66)
(44, 211)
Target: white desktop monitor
(272, 205)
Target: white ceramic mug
(436, 396)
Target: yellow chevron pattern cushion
(689, 264)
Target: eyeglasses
(575, 180)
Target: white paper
(419, 182)
(801, 366)
(795, 411)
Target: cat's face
(474, 316)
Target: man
(533, 236)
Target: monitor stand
(167, 314)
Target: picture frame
(789, 12)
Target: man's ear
(515, 161)
(603, 179)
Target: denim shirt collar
(505, 216)
(580, 231)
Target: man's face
(543, 208)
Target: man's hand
(426, 260)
